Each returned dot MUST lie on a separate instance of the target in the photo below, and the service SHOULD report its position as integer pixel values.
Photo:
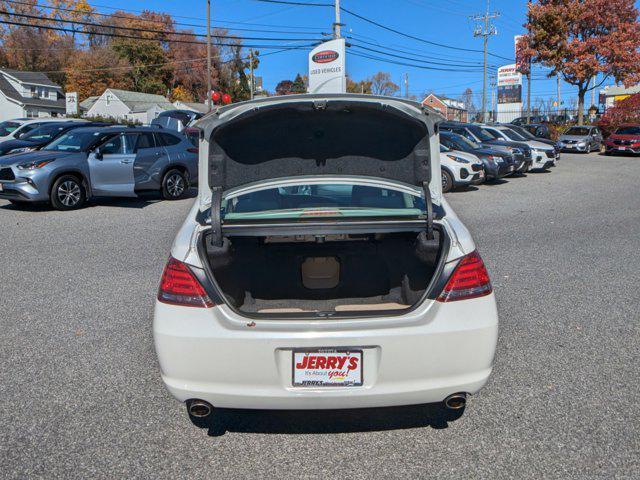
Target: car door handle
(126, 162)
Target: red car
(625, 139)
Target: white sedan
(321, 267)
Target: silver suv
(92, 162)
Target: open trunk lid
(311, 135)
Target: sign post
(71, 102)
(327, 73)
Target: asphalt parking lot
(82, 396)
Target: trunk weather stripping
(439, 279)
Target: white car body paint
(229, 360)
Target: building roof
(141, 102)
(621, 90)
(7, 89)
(198, 107)
(88, 102)
(35, 78)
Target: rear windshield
(7, 127)
(577, 131)
(511, 135)
(628, 131)
(44, 132)
(323, 200)
(482, 134)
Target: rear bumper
(621, 148)
(420, 357)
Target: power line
(150, 20)
(303, 4)
(485, 30)
(117, 35)
(413, 37)
(146, 30)
(413, 59)
(406, 64)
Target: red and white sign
(327, 72)
(327, 368)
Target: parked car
(529, 119)
(17, 128)
(581, 139)
(176, 120)
(543, 156)
(92, 162)
(626, 139)
(538, 130)
(520, 151)
(527, 135)
(321, 267)
(41, 136)
(496, 163)
(459, 169)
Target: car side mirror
(98, 154)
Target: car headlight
(34, 165)
(21, 150)
(458, 159)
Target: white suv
(459, 169)
(320, 267)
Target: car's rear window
(323, 200)
(7, 127)
(577, 131)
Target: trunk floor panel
(380, 302)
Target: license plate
(1, 187)
(327, 368)
(481, 174)
(512, 168)
(622, 148)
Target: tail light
(469, 280)
(179, 286)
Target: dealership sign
(327, 68)
(509, 93)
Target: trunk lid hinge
(429, 205)
(215, 236)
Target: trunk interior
(332, 273)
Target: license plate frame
(352, 380)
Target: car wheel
(447, 181)
(174, 185)
(67, 193)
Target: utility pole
(209, 55)
(406, 85)
(251, 81)
(529, 66)
(558, 87)
(493, 98)
(337, 24)
(485, 29)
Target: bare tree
(381, 84)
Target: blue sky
(442, 21)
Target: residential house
(86, 104)
(451, 109)
(128, 106)
(30, 95)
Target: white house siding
(9, 109)
(113, 109)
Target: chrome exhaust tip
(456, 401)
(199, 408)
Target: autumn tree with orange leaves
(583, 39)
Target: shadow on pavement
(224, 420)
